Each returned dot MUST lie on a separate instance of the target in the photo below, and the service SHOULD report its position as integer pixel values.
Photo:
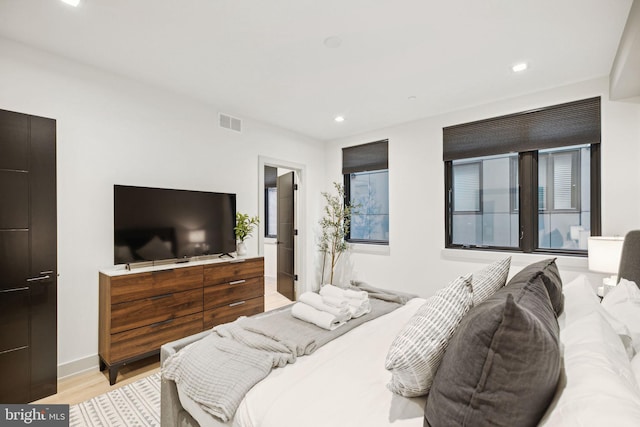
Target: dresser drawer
(231, 312)
(227, 293)
(134, 314)
(137, 286)
(233, 270)
(149, 338)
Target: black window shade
(561, 125)
(366, 157)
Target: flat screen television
(153, 224)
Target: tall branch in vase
(335, 227)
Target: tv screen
(156, 223)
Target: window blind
(365, 157)
(466, 184)
(562, 181)
(573, 123)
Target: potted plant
(335, 226)
(243, 229)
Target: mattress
(342, 383)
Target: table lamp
(604, 257)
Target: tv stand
(227, 254)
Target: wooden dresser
(140, 311)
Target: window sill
(361, 248)
(575, 263)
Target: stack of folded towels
(332, 307)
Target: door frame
(298, 215)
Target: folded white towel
(332, 291)
(361, 309)
(361, 295)
(335, 301)
(319, 318)
(316, 301)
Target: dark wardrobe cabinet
(28, 258)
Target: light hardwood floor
(84, 386)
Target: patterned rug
(135, 404)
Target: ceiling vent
(229, 122)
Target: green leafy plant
(245, 225)
(335, 226)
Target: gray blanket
(217, 371)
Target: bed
(345, 383)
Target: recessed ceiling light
(73, 3)
(339, 119)
(333, 42)
(412, 98)
(519, 67)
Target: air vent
(229, 122)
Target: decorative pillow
(155, 249)
(503, 363)
(488, 280)
(548, 270)
(416, 352)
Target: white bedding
(348, 383)
(344, 382)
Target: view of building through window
(369, 191)
(485, 200)
(483, 193)
(564, 213)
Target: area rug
(135, 404)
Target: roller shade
(561, 125)
(366, 157)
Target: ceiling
(267, 60)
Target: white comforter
(341, 384)
(344, 382)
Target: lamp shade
(604, 254)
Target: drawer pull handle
(4, 291)
(169, 270)
(237, 282)
(237, 303)
(155, 325)
(37, 279)
(160, 297)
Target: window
(482, 193)
(525, 182)
(366, 184)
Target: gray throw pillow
(548, 270)
(503, 363)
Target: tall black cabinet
(28, 258)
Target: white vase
(241, 248)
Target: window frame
(364, 158)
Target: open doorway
(280, 233)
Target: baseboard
(78, 366)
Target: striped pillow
(416, 352)
(487, 281)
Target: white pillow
(599, 387)
(416, 352)
(622, 303)
(488, 280)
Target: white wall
(114, 131)
(416, 260)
